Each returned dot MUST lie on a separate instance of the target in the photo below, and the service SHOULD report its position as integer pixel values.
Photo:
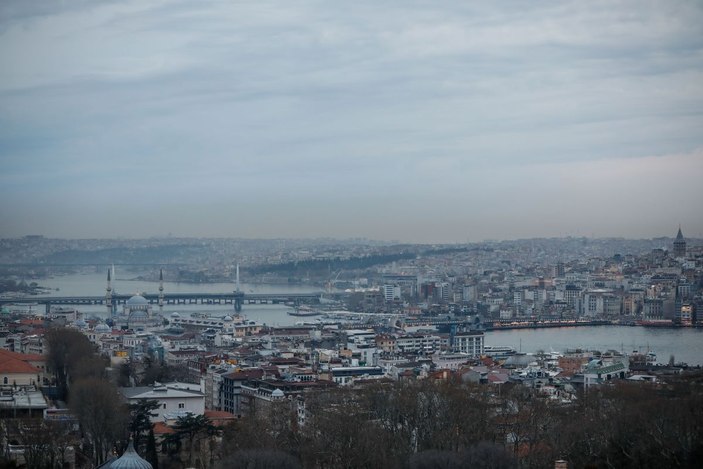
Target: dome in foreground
(130, 460)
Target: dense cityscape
(383, 325)
(370, 234)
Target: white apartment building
(469, 343)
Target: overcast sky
(414, 121)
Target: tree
(433, 459)
(67, 350)
(486, 455)
(151, 454)
(102, 415)
(260, 459)
(36, 442)
(193, 429)
(126, 374)
(357, 442)
(140, 415)
(45, 442)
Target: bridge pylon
(238, 301)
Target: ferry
(655, 323)
(304, 312)
(498, 352)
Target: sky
(416, 121)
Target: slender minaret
(108, 295)
(237, 277)
(238, 295)
(161, 290)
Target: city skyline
(414, 123)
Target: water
(685, 344)
(93, 284)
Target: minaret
(679, 244)
(108, 294)
(238, 295)
(237, 277)
(161, 290)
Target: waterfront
(94, 284)
(686, 344)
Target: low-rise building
(174, 399)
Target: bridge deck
(172, 298)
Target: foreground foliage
(425, 424)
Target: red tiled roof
(25, 357)
(255, 373)
(32, 322)
(219, 417)
(161, 428)
(10, 364)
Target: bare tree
(102, 414)
(67, 348)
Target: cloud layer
(397, 121)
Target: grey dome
(137, 300)
(227, 319)
(138, 315)
(81, 323)
(175, 315)
(277, 393)
(102, 328)
(130, 460)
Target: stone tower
(679, 245)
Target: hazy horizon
(413, 122)
(348, 240)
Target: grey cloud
(362, 104)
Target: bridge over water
(237, 299)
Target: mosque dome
(138, 315)
(81, 324)
(277, 394)
(130, 460)
(175, 315)
(102, 328)
(137, 300)
(227, 319)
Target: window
(181, 405)
(164, 406)
(4, 380)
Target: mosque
(137, 313)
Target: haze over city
(408, 121)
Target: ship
(499, 352)
(656, 323)
(304, 311)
